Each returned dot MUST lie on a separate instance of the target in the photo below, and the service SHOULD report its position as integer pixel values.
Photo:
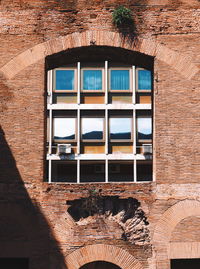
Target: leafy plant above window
(122, 16)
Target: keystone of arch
(102, 252)
(148, 46)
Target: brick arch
(102, 252)
(148, 46)
(165, 226)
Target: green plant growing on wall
(122, 16)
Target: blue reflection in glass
(92, 128)
(64, 79)
(119, 80)
(144, 128)
(144, 80)
(120, 128)
(92, 80)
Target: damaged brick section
(126, 212)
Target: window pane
(64, 171)
(92, 80)
(64, 79)
(120, 128)
(64, 128)
(144, 128)
(119, 80)
(144, 80)
(92, 128)
(120, 171)
(92, 171)
(144, 171)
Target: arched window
(99, 121)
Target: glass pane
(144, 128)
(144, 80)
(92, 128)
(64, 171)
(92, 80)
(92, 171)
(120, 128)
(144, 171)
(64, 80)
(120, 171)
(119, 80)
(64, 128)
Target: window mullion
(106, 131)
(106, 169)
(135, 169)
(50, 170)
(78, 83)
(134, 132)
(78, 170)
(50, 131)
(78, 130)
(133, 85)
(50, 85)
(106, 82)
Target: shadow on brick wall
(24, 231)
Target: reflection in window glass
(120, 128)
(92, 128)
(92, 80)
(144, 80)
(64, 128)
(64, 80)
(144, 128)
(119, 80)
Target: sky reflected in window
(120, 128)
(144, 128)
(92, 80)
(144, 80)
(64, 80)
(92, 128)
(64, 128)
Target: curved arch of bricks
(102, 252)
(163, 231)
(148, 46)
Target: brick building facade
(155, 224)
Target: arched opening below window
(100, 265)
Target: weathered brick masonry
(43, 230)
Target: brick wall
(25, 24)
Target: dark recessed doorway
(185, 264)
(14, 263)
(100, 265)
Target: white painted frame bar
(78, 83)
(135, 170)
(134, 132)
(133, 85)
(50, 168)
(99, 106)
(106, 82)
(106, 131)
(78, 171)
(78, 131)
(50, 131)
(106, 171)
(50, 85)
